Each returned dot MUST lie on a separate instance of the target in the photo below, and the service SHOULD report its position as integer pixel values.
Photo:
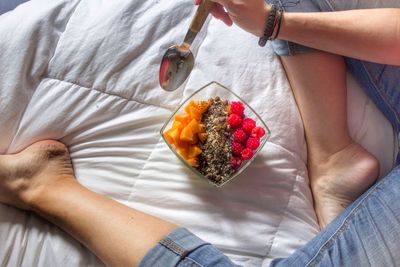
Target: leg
(367, 233)
(380, 82)
(40, 179)
(339, 169)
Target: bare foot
(24, 175)
(337, 180)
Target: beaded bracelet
(273, 22)
(278, 22)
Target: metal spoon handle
(198, 20)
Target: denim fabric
(181, 248)
(367, 233)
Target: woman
(41, 178)
(339, 169)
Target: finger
(219, 13)
(221, 2)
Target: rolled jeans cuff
(172, 249)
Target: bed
(86, 73)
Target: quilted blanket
(86, 72)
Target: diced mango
(196, 109)
(195, 140)
(202, 128)
(202, 137)
(187, 134)
(195, 112)
(189, 131)
(169, 138)
(183, 152)
(183, 118)
(173, 135)
(191, 103)
(194, 151)
(194, 125)
(204, 105)
(186, 131)
(194, 162)
(177, 124)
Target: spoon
(178, 60)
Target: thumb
(219, 13)
(221, 2)
(224, 3)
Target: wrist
(272, 25)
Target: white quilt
(86, 72)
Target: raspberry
(257, 132)
(236, 163)
(253, 143)
(237, 149)
(239, 136)
(234, 120)
(237, 108)
(248, 125)
(247, 153)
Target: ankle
(352, 157)
(337, 180)
(322, 154)
(39, 198)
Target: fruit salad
(215, 137)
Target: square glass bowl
(205, 93)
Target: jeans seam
(174, 247)
(194, 263)
(331, 4)
(378, 89)
(343, 226)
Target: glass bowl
(205, 93)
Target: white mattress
(86, 73)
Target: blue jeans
(367, 233)
(182, 248)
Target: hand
(250, 15)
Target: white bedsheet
(86, 73)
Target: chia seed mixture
(214, 162)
